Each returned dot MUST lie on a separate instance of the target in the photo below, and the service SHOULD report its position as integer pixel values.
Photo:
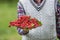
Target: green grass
(11, 37)
(8, 12)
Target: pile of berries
(24, 22)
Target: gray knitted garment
(46, 15)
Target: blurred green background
(8, 12)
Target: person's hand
(22, 31)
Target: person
(58, 20)
(44, 11)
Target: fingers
(22, 32)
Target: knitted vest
(46, 15)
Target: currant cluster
(24, 22)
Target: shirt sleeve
(58, 15)
(20, 9)
(58, 20)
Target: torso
(46, 15)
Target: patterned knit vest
(46, 15)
